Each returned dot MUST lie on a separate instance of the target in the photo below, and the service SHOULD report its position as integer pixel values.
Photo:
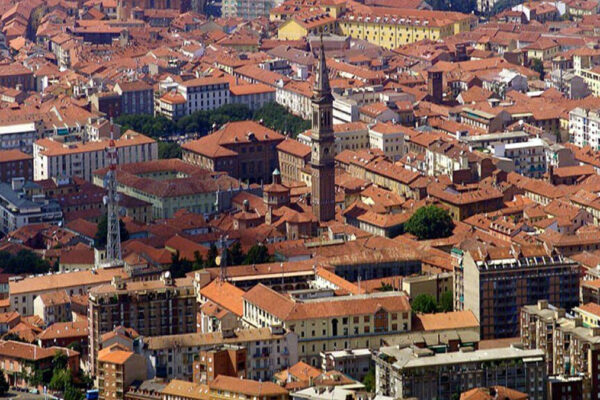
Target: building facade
(53, 158)
(496, 283)
(152, 308)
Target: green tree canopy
(424, 303)
(277, 117)
(369, 380)
(24, 262)
(258, 254)
(430, 222)
(168, 150)
(446, 303)
(3, 384)
(100, 238)
(235, 255)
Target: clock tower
(322, 160)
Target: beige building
(53, 158)
(24, 291)
(117, 370)
(388, 138)
(348, 136)
(53, 307)
(432, 285)
(328, 324)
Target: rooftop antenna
(111, 200)
(222, 260)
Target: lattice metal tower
(111, 200)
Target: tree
(71, 393)
(258, 254)
(277, 117)
(211, 257)
(235, 255)
(3, 384)
(385, 287)
(446, 303)
(430, 222)
(369, 380)
(100, 238)
(24, 262)
(179, 266)
(424, 303)
(168, 150)
(61, 379)
(198, 261)
(538, 66)
(60, 360)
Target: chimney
(542, 304)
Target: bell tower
(322, 158)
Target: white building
(584, 127)
(352, 362)
(296, 97)
(53, 158)
(18, 136)
(388, 138)
(254, 95)
(204, 93)
(345, 110)
(529, 157)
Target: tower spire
(322, 88)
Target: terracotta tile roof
(13, 155)
(288, 310)
(112, 356)
(186, 390)
(26, 351)
(215, 144)
(64, 280)
(591, 308)
(294, 147)
(246, 386)
(493, 393)
(226, 295)
(445, 321)
(58, 297)
(62, 330)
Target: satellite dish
(218, 260)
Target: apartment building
(159, 307)
(267, 350)
(348, 136)
(392, 29)
(13, 75)
(19, 136)
(584, 127)
(246, 150)
(53, 307)
(496, 282)
(528, 157)
(406, 372)
(254, 95)
(136, 97)
(54, 158)
(464, 201)
(388, 138)
(15, 164)
(23, 291)
(330, 323)
(572, 349)
(202, 94)
(18, 208)
(118, 368)
(18, 360)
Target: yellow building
(590, 314)
(392, 28)
(337, 323)
(303, 24)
